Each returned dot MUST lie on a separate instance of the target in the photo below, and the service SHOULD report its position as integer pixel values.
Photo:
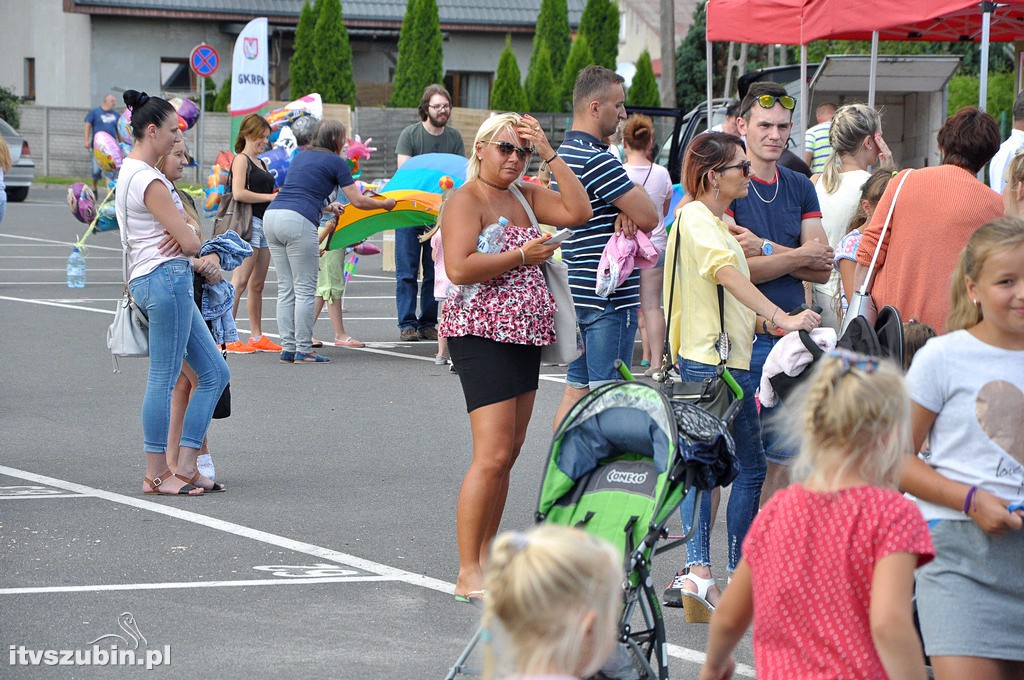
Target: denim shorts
(608, 334)
(258, 238)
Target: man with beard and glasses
(432, 135)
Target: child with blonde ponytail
(553, 597)
(967, 388)
(828, 565)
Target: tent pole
(707, 87)
(873, 73)
(986, 23)
(803, 92)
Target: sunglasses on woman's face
(744, 168)
(767, 101)
(506, 149)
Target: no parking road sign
(204, 60)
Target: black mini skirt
(493, 371)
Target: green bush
(301, 74)
(963, 91)
(9, 107)
(643, 91)
(332, 56)
(553, 33)
(420, 54)
(507, 94)
(223, 99)
(541, 92)
(600, 26)
(579, 58)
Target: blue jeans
(608, 334)
(775, 449)
(410, 255)
(293, 247)
(746, 488)
(177, 331)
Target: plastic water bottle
(491, 240)
(76, 269)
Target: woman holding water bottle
(495, 334)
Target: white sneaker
(440, 360)
(205, 465)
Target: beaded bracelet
(968, 502)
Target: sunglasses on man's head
(506, 149)
(767, 101)
(744, 167)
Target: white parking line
(383, 572)
(42, 590)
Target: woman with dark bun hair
(160, 242)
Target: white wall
(59, 42)
(127, 52)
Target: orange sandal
(183, 491)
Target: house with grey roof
(71, 52)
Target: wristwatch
(767, 247)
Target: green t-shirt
(415, 141)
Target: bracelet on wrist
(969, 500)
(549, 160)
(772, 320)
(522, 254)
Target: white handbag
(568, 344)
(861, 303)
(128, 335)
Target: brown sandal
(183, 491)
(216, 488)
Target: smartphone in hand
(559, 236)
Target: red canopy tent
(798, 22)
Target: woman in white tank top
(160, 242)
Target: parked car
(19, 178)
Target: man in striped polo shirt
(608, 324)
(817, 146)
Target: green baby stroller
(617, 470)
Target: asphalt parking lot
(332, 555)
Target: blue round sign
(204, 60)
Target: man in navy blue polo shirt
(608, 324)
(782, 215)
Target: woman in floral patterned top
(499, 314)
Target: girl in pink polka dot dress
(827, 573)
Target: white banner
(250, 89)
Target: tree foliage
(541, 90)
(553, 33)
(507, 94)
(420, 53)
(9, 107)
(301, 73)
(643, 91)
(600, 25)
(963, 91)
(579, 58)
(223, 99)
(332, 56)
(691, 63)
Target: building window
(30, 78)
(175, 75)
(469, 89)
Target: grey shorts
(258, 238)
(970, 598)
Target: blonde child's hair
(187, 205)
(854, 416)
(5, 156)
(541, 585)
(1001, 234)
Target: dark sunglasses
(744, 168)
(767, 101)
(506, 149)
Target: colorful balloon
(124, 127)
(278, 160)
(188, 111)
(82, 201)
(106, 151)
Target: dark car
(19, 178)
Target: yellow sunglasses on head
(767, 101)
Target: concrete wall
(60, 43)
